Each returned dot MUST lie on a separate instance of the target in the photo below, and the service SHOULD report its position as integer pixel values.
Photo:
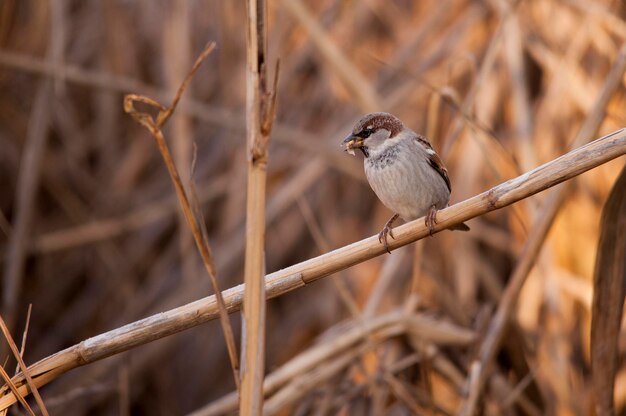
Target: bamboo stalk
(280, 282)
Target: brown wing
(435, 161)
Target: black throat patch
(384, 158)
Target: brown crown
(376, 121)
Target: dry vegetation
(494, 321)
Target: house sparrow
(402, 168)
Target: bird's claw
(382, 237)
(431, 220)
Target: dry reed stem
(389, 271)
(27, 186)
(539, 231)
(195, 108)
(154, 126)
(322, 244)
(260, 112)
(368, 332)
(25, 371)
(303, 383)
(608, 298)
(614, 23)
(516, 394)
(352, 78)
(7, 379)
(389, 323)
(468, 102)
(513, 50)
(403, 394)
(30, 168)
(195, 313)
(24, 335)
(176, 47)
(107, 228)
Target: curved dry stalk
(195, 313)
(154, 127)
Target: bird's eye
(365, 133)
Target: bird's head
(371, 131)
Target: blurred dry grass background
(92, 236)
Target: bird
(403, 170)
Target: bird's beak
(352, 142)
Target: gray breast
(403, 179)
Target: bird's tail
(459, 227)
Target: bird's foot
(431, 220)
(382, 235)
